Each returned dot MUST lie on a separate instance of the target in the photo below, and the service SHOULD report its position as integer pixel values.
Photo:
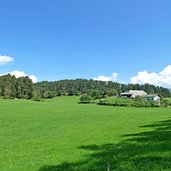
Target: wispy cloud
(162, 78)
(21, 74)
(107, 78)
(5, 59)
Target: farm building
(126, 94)
(154, 97)
(134, 93)
(141, 93)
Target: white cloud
(18, 73)
(162, 78)
(33, 78)
(5, 59)
(106, 78)
(21, 74)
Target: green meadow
(61, 134)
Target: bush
(85, 98)
(136, 102)
(116, 102)
(165, 103)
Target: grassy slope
(60, 134)
(168, 99)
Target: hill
(23, 88)
(99, 89)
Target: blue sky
(68, 39)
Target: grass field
(62, 135)
(169, 99)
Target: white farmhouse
(154, 97)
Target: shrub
(136, 102)
(85, 98)
(165, 103)
(115, 102)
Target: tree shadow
(84, 103)
(145, 151)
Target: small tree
(85, 98)
(112, 92)
(95, 94)
(36, 95)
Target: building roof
(126, 93)
(153, 95)
(138, 93)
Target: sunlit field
(61, 134)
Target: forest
(23, 88)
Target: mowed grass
(62, 135)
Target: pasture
(62, 135)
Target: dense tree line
(97, 89)
(23, 88)
(12, 87)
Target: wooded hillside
(97, 89)
(23, 88)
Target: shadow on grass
(84, 103)
(145, 151)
